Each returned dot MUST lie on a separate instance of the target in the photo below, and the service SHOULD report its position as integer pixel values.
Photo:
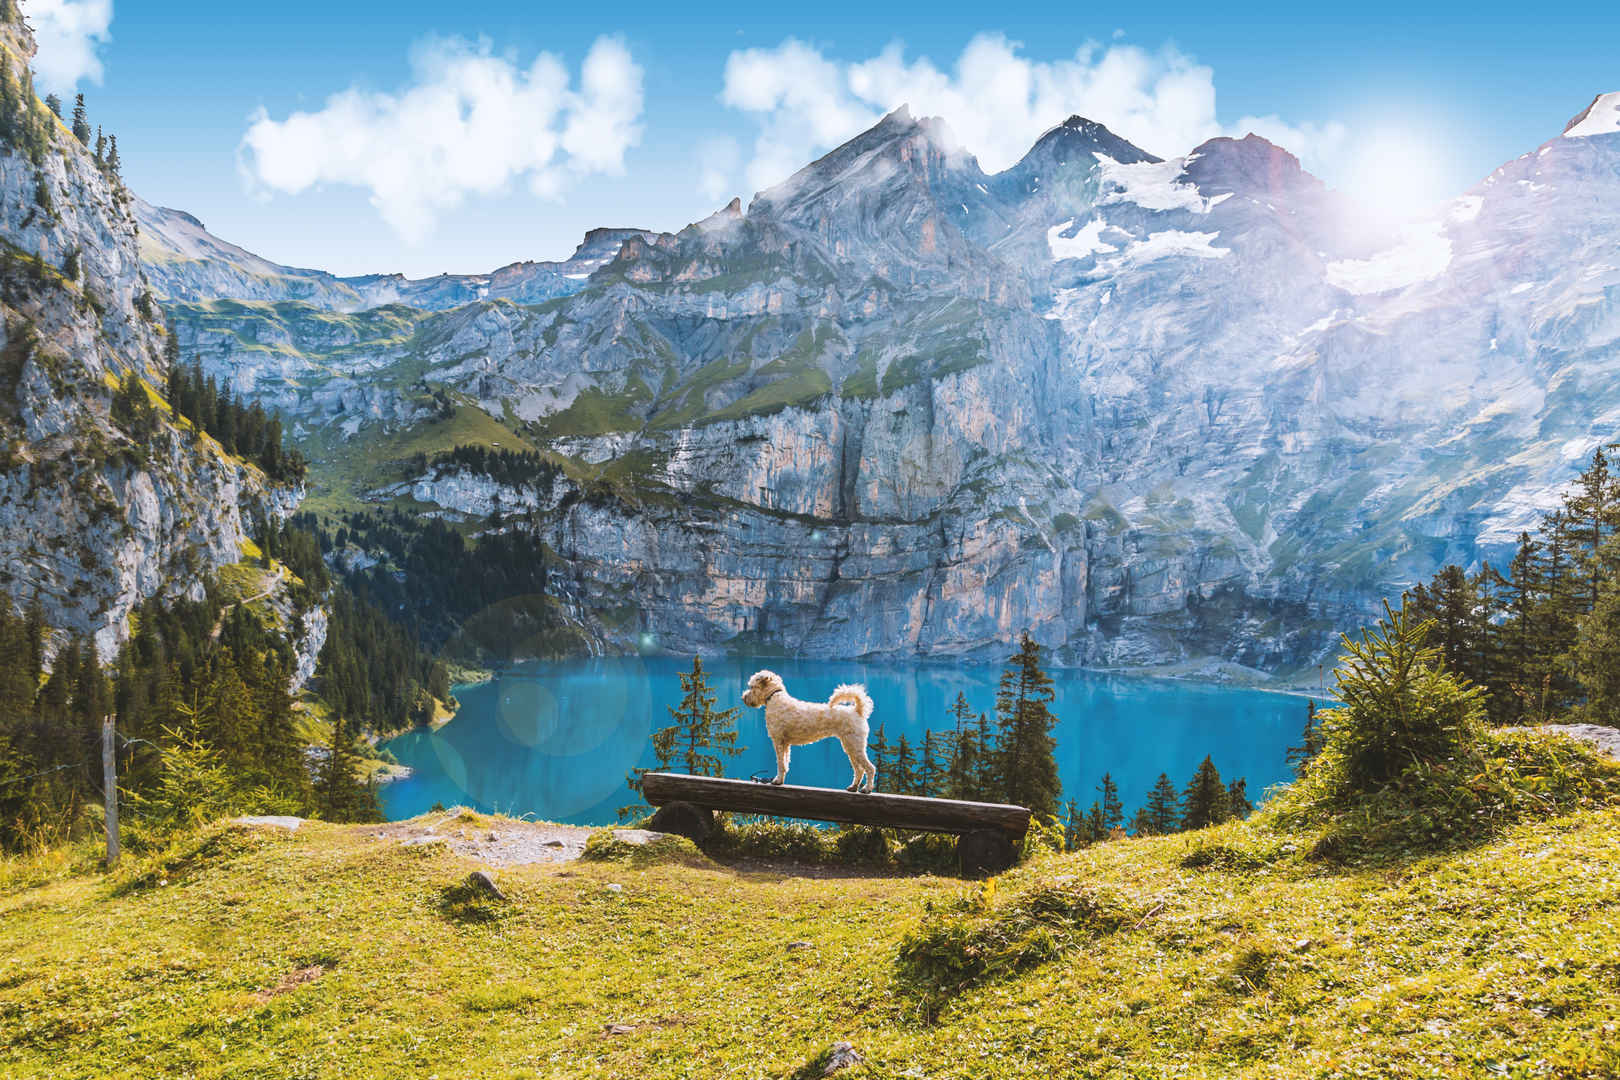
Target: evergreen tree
(1593, 509)
(339, 793)
(1596, 658)
(1026, 748)
(1238, 805)
(961, 763)
(1111, 812)
(81, 124)
(877, 748)
(54, 103)
(1161, 814)
(1204, 802)
(1076, 831)
(904, 779)
(704, 737)
(931, 769)
(1401, 707)
(1310, 741)
(986, 772)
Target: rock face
(1155, 411)
(93, 519)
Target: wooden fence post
(109, 784)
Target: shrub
(793, 841)
(1498, 780)
(862, 844)
(975, 939)
(1400, 706)
(605, 845)
(933, 852)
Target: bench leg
(683, 819)
(984, 852)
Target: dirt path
(219, 624)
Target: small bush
(862, 845)
(464, 902)
(605, 845)
(1044, 835)
(793, 841)
(932, 852)
(974, 939)
(1501, 779)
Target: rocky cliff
(98, 511)
(1160, 412)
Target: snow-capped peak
(1602, 117)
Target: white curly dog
(791, 722)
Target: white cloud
(996, 101)
(70, 35)
(470, 123)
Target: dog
(791, 722)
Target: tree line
(245, 430)
(1541, 636)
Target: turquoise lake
(555, 740)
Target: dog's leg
(850, 751)
(783, 751)
(871, 769)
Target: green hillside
(338, 951)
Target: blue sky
(679, 107)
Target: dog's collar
(770, 695)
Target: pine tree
(1238, 805)
(1161, 814)
(986, 774)
(1310, 740)
(961, 763)
(701, 737)
(877, 748)
(81, 124)
(904, 781)
(1112, 811)
(931, 769)
(1204, 802)
(1596, 658)
(1076, 834)
(339, 793)
(54, 103)
(1401, 707)
(1593, 509)
(1028, 763)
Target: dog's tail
(853, 696)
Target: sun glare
(1396, 175)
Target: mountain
(1186, 413)
(185, 262)
(106, 497)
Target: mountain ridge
(1161, 411)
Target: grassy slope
(1502, 957)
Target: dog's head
(761, 685)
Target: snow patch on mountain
(1088, 241)
(1170, 242)
(1152, 185)
(1423, 253)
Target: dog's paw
(853, 787)
(777, 780)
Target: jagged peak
(1250, 163)
(1602, 117)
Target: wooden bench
(988, 834)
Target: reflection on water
(555, 740)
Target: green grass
(330, 953)
(341, 471)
